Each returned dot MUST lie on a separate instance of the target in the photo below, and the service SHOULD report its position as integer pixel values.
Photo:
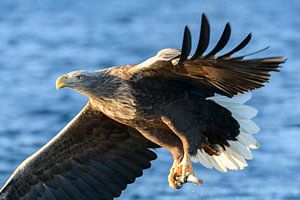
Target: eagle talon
(175, 182)
(179, 184)
(179, 179)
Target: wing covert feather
(222, 74)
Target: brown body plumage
(169, 101)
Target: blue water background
(40, 40)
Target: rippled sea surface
(40, 40)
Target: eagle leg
(167, 139)
(183, 172)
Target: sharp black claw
(185, 179)
(179, 184)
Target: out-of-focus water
(40, 40)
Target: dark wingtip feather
(186, 44)
(253, 53)
(283, 59)
(203, 38)
(222, 42)
(240, 46)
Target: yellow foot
(173, 178)
(172, 181)
(188, 176)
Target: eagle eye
(79, 77)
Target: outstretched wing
(93, 157)
(221, 74)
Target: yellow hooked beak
(61, 82)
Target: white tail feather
(248, 140)
(204, 159)
(233, 157)
(243, 112)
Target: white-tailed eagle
(191, 105)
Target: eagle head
(92, 84)
(78, 80)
